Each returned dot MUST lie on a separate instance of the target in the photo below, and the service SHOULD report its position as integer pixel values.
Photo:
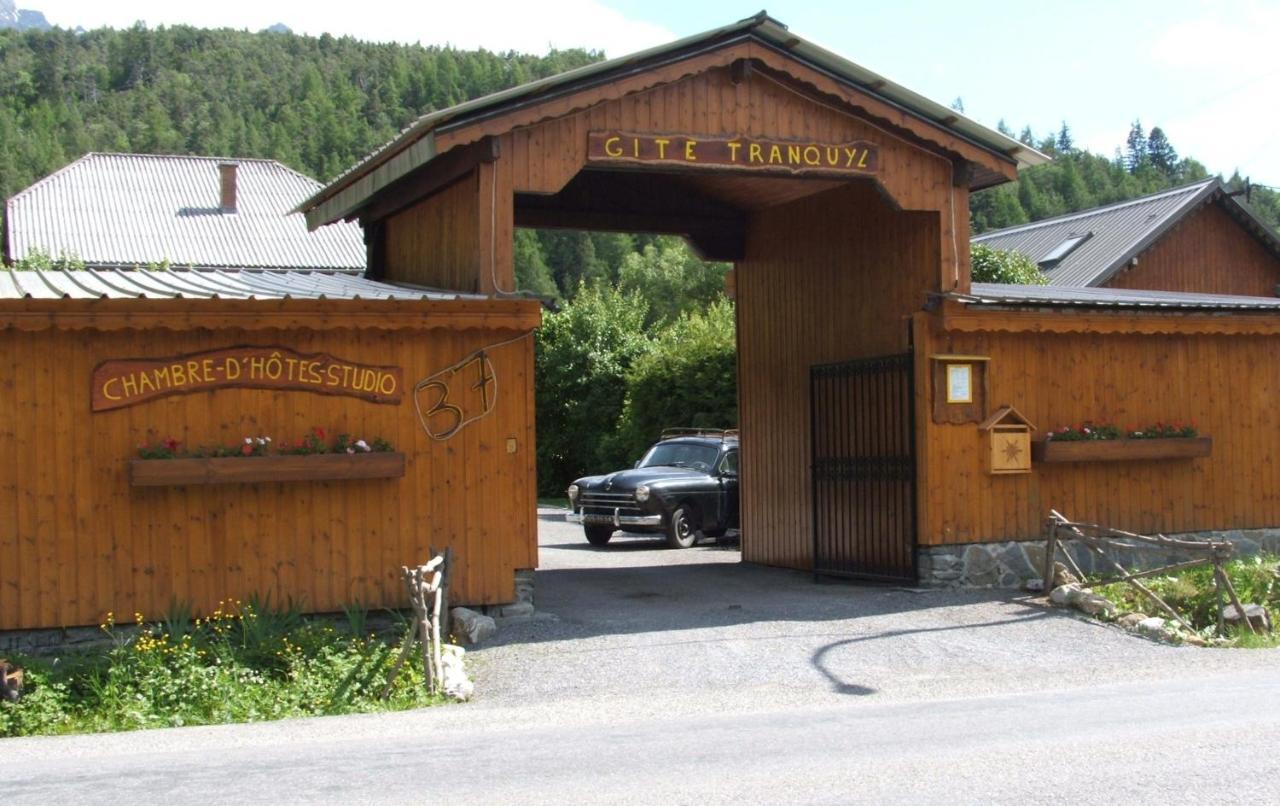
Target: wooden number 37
(457, 396)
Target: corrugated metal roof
(1041, 296)
(1119, 232)
(208, 284)
(132, 210)
(415, 145)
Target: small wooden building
(1197, 238)
(95, 364)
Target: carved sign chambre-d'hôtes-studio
(126, 382)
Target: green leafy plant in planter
(163, 449)
(1105, 431)
(1165, 431)
(314, 443)
(1083, 432)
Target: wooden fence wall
(76, 540)
(1225, 382)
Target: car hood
(625, 480)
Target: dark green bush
(583, 355)
(1001, 266)
(245, 662)
(688, 378)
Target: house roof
(415, 145)
(1117, 233)
(131, 210)
(207, 284)
(999, 295)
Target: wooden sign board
(959, 388)
(127, 382)
(733, 153)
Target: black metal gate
(864, 469)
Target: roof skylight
(1059, 252)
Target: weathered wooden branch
(423, 585)
(1221, 574)
(1105, 538)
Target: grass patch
(246, 662)
(1192, 594)
(563, 503)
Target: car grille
(598, 502)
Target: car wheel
(598, 535)
(681, 532)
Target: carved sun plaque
(1008, 436)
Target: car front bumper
(616, 519)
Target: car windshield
(681, 454)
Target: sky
(1205, 72)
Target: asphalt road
(1197, 740)
(658, 676)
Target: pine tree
(1028, 137)
(1135, 154)
(1065, 144)
(1003, 128)
(1161, 153)
(958, 104)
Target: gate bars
(864, 469)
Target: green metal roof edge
(349, 190)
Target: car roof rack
(721, 434)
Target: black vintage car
(686, 486)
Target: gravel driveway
(641, 623)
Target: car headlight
(573, 493)
(642, 493)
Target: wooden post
(1235, 600)
(1050, 550)
(424, 586)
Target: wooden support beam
(431, 178)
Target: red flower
(172, 444)
(319, 432)
(247, 450)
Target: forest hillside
(318, 104)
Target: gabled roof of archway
(416, 144)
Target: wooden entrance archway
(829, 266)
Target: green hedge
(607, 387)
(689, 377)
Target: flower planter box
(1121, 450)
(248, 469)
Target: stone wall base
(522, 607)
(1011, 564)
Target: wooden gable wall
(702, 97)
(1207, 252)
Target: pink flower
(247, 450)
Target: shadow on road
(840, 686)
(631, 599)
